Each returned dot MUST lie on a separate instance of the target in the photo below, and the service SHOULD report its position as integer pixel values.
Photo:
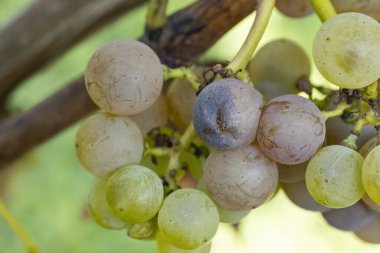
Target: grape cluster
(247, 141)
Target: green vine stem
(263, 13)
(370, 92)
(174, 163)
(181, 73)
(18, 229)
(340, 108)
(156, 15)
(323, 8)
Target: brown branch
(46, 30)
(202, 24)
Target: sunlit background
(47, 189)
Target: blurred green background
(47, 189)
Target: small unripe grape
(124, 77)
(188, 219)
(346, 50)
(291, 129)
(99, 208)
(105, 142)
(333, 176)
(240, 179)
(134, 193)
(226, 113)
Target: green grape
(134, 193)
(333, 176)
(164, 246)
(124, 77)
(99, 208)
(346, 50)
(281, 61)
(371, 174)
(105, 142)
(228, 216)
(188, 219)
(143, 231)
(155, 116)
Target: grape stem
(18, 229)
(156, 14)
(339, 109)
(323, 8)
(181, 73)
(263, 13)
(174, 163)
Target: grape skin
(105, 142)
(226, 113)
(352, 218)
(368, 7)
(298, 194)
(124, 77)
(99, 208)
(134, 193)
(291, 129)
(333, 176)
(371, 174)
(228, 216)
(188, 219)
(155, 116)
(164, 246)
(294, 8)
(346, 50)
(240, 179)
(291, 63)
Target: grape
(352, 218)
(164, 246)
(282, 62)
(105, 142)
(371, 174)
(143, 231)
(333, 176)
(188, 219)
(299, 195)
(291, 129)
(370, 203)
(271, 90)
(181, 98)
(155, 116)
(228, 216)
(291, 173)
(99, 208)
(346, 50)
(368, 146)
(226, 113)
(294, 8)
(124, 77)
(368, 7)
(370, 233)
(240, 179)
(134, 193)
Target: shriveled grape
(240, 179)
(105, 142)
(124, 77)
(291, 129)
(226, 113)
